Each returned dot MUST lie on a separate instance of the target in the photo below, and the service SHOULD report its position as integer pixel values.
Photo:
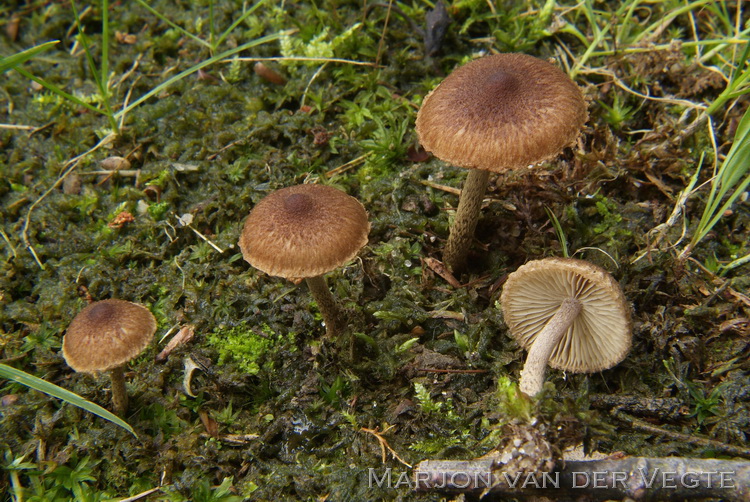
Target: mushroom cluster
(105, 336)
(568, 313)
(496, 113)
(302, 232)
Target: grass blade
(99, 78)
(237, 22)
(53, 88)
(10, 62)
(105, 51)
(53, 390)
(231, 52)
(559, 231)
(173, 25)
(737, 82)
(732, 176)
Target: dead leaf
(212, 427)
(441, 270)
(183, 336)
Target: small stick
(345, 167)
(140, 495)
(718, 446)
(17, 127)
(304, 59)
(631, 478)
(665, 408)
(446, 314)
(109, 172)
(186, 219)
(455, 191)
(225, 148)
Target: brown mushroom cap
(304, 231)
(600, 336)
(501, 112)
(107, 334)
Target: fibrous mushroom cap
(501, 112)
(600, 336)
(107, 334)
(304, 231)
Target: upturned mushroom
(569, 314)
(496, 113)
(302, 232)
(105, 336)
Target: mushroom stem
(329, 307)
(119, 394)
(465, 222)
(532, 375)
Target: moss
(250, 349)
(215, 144)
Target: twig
(717, 446)
(310, 83)
(233, 439)
(141, 495)
(125, 173)
(438, 186)
(345, 167)
(304, 59)
(384, 444)
(382, 35)
(455, 191)
(631, 478)
(225, 148)
(664, 408)
(10, 244)
(17, 127)
(186, 219)
(446, 314)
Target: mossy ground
(215, 143)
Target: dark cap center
(503, 83)
(101, 312)
(298, 204)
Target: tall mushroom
(496, 113)
(302, 232)
(104, 336)
(568, 313)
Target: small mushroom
(104, 336)
(496, 113)
(568, 313)
(302, 232)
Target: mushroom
(104, 336)
(496, 113)
(568, 313)
(302, 232)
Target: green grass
(17, 59)
(101, 72)
(58, 392)
(213, 41)
(243, 137)
(727, 184)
